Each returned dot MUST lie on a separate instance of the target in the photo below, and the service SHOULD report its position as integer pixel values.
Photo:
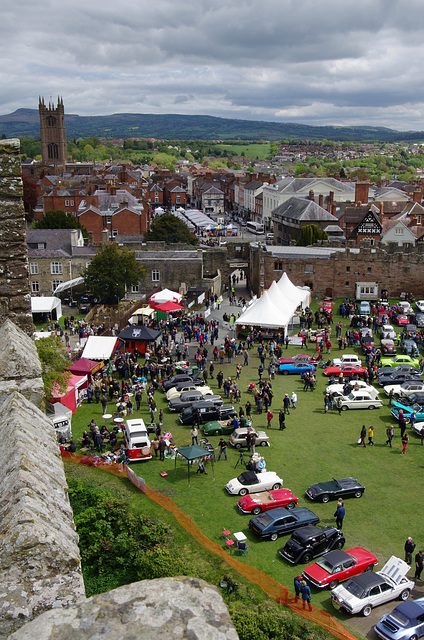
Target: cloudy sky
(352, 62)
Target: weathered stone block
(11, 187)
(170, 609)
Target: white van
(137, 440)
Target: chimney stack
(320, 199)
(333, 209)
(311, 196)
(417, 196)
(361, 192)
(105, 236)
(331, 197)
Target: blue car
(407, 411)
(405, 622)
(295, 367)
(278, 522)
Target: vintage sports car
(182, 377)
(387, 347)
(400, 368)
(187, 398)
(400, 359)
(347, 370)
(182, 387)
(368, 590)
(256, 503)
(296, 367)
(238, 437)
(415, 398)
(310, 542)
(251, 482)
(402, 319)
(407, 412)
(335, 489)
(405, 622)
(299, 357)
(223, 427)
(336, 566)
(387, 331)
(278, 522)
(399, 377)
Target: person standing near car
(297, 588)
(419, 559)
(340, 514)
(306, 595)
(269, 417)
(294, 399)
(194, 434)
(371, 435)
(222, 446)
(286, 403)
(282, 420)
(405, 440)
(409, 549)
(363, 436)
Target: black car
(414, 398)
(310, 542)
(397, 378)
(197, 380)
(187, 398)
(278, 522)
(409, 368)
(335, 489)
(208, 413)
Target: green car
(400, 359)
(223, 428)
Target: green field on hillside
(259, 151)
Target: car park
(137, 441)
(360, 400)
(296, 367)
(187, 398)
(279, 522)
(338, 389)
(346, 370)
(238, 437)
(400, 359)
(256, 503)
(336, 566)
(311, 542)
(405, 622)
(407, 388)
(250, 481)
(388, 347)
(368, 590)
(335, 489)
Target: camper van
(137, 441)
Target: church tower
(53, 134)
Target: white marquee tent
(47, 305)
(166, 295)
(99, 347)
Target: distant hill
(25, 123)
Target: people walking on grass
(326, 403)
(338, 403)
(294, 399)
(409, 549)
(363, 436)
(371, 435)
(340, 514)
(269, 417)
(390, 432)
(282, 420)
(286, 403)
(419, 560)
(405, 440)
(297, 588)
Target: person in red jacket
(269, 417)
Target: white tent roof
(166, 295)
(99, 348)
(291, 292)
(68, 284)
(46, 305)
(265, 313)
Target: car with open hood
(405, 622)
(336, 566)
(335, 489)
(368, 590)
(251, 482)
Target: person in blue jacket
(339, 514)
(306, 595)
(297, 588)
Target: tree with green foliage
(169, 229)
(310, 235)
(55, 372)
(112, 270)
(57, 219)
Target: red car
(338, 565)
(327, 305)
(266, 500)
(346, 369)
(402, 320)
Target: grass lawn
(260, 151)
(314, 447)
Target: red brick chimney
(361, 192)
(311, 196)
(331, 197)
(333, 209)
(417, 196)
(320, 200)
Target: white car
(251, 482)
(348, 358)
(405, 389)
(387, 331)
(358, 385)
(137, 441)
(368, 590)
(417, 426)
(175, 393)
(360, 400)
(406, 307)
(420, 305)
